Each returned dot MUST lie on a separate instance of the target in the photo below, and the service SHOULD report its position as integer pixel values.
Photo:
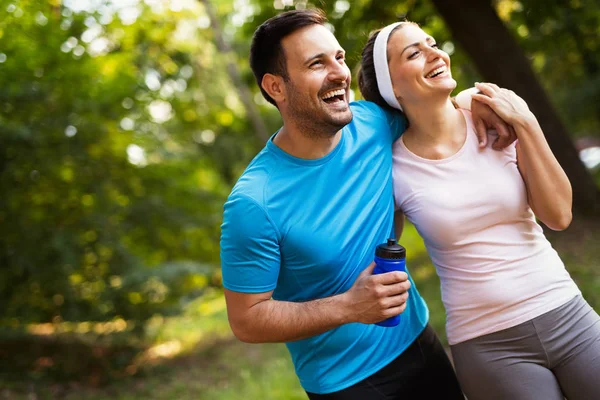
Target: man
(302, 223)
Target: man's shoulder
(361, 107)
(368, 112)
(251, 184)
(372, 117)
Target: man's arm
(257, 318)
(251, 259)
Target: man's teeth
(339, 92)
(436, 71)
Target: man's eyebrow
(320, 55)
(316, 56)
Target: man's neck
(305, 145)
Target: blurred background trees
(124, 125)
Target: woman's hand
(510, 107)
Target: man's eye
(341, 57)
(435, 45)
(315, 63)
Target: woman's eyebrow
(410, 45)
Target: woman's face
(419, 70)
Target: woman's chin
(446, 84)
(444, 89)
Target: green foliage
(212, 365)
(122, 134)
(561, 39)
(112, 166)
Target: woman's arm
(548, 188)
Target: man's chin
(341, 118)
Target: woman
(516, 322)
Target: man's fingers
(390, 278)
(503, 139)
(513, 134)
(392, 312)
(395, 289)
(367, 271)
(481, 131)
(506, 135)
(395, 301)
(501, 142)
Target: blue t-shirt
(307, 228)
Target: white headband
(382, 70)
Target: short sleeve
(250, 257)
(396, 122)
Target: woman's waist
(485, 256)
(488, 281)
(467, 321)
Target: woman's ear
(274, 86)
(398, 98)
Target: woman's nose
(433, 53)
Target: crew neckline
(302, 161)
(468, 128)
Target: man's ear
(274, 86)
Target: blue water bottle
(389, 257)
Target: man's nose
(339, 72)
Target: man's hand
(374, 298)
(486, 119)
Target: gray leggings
(550, 357)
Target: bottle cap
(390, 250)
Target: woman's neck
(436, 130)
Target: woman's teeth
(435, 72)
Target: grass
(195, 356)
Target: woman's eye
(413, 54)
(435, 45)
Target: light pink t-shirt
(496, 267)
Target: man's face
(318, 81)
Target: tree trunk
(245, 95)
(476, 26)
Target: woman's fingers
(484, 99)
(487, 88)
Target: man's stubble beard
(305, 119)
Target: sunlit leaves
(81, 112)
